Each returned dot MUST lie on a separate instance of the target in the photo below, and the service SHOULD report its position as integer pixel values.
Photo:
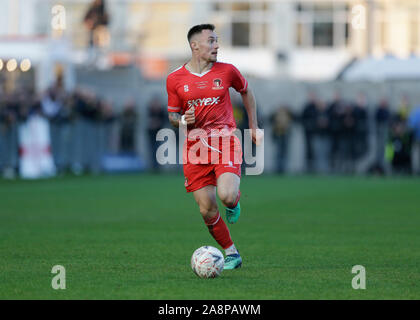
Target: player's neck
(196, 65)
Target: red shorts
(206, 160)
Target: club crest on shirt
(186, 88)
(217, 84)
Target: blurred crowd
(340, 136)
(351, 136)
(83, 127)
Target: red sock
(219, 231)
(237, 200)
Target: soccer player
(198, 97)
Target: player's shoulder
(175, 76)
(176, 73)
(227, 68)
(225, 65)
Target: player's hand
(190, 116)
(257, 136)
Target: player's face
(208, 45)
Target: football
(207, 262)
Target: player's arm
(242, 86)
(174, 106)
(176, 119)
(250, 104)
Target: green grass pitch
(132, 236)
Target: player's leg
(229, 193)
(228, 174)
(206, 200)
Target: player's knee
(208, 211)
(228, 197)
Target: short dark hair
(198, 28)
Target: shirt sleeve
(239, 83)
(174, 104)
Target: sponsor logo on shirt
(217, 84)
(203, 102)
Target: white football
(207, 262)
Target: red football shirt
(208, 93)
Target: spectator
(92, 117)
(9, 135)
(107, 121)
(157, 119)
(347, 152)
(78, 105)
(3, 126)
(404, 108)
(65, 120)
(128, 121)
(52, 105)
(361, 127)
(241, 117)
(321, 142)
(335, 109)
(96, 20)
(242, 124)
(281, 122)
(399, 146)
(382, 120)
(414, 125)
(86, 132)
(308, 121)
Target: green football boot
(232, 261)
(232, 215)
